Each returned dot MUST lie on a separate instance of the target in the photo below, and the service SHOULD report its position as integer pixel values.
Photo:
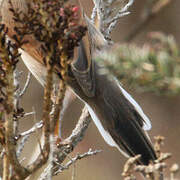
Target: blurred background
(163, 111)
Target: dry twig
(108, 13)
(154, 170)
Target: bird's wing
(83, 71)
(124, 123)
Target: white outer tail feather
(105, 134)
(147, 123)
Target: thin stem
(43, 156)
(5, 167)
(9, 125)
(57, 109)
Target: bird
(118, 117)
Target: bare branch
(129, 166)
(29, 114)
(21, 145)
(108, 14)
(43, 157)
(6, 167)
(72, 161)
(76, 158)
(57, 108)
(17, 75)
(67, 145)
(122, 12)
(9, 61)
(80, 129)
(38, 125)
(26, 85)
(93, 14)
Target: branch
(75, 159)
(43, 156)
(80, 129)
(123, 12)
(26, 85)
(38, 125)
(108, 14)
(72, 161)
(19, 111)
(21, 144)
(9, 58)
(128, 166)
(9, 136)
(152, 171)
(67, 145)
(57, 109)
(76, 136)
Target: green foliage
(154, 67)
